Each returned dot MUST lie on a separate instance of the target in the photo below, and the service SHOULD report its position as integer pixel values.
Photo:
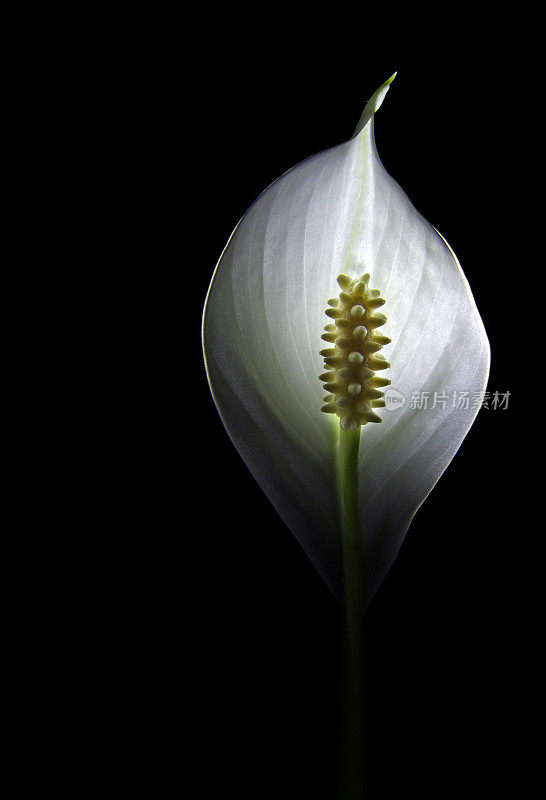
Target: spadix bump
(354, 358)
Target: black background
(215, 663)
(171, 637)
(447, 638)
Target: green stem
(347, 476)
(352, 733)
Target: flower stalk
(347, 486)
(352, 783)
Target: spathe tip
(373, 104)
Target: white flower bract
(340, 212)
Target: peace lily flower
(346, 482)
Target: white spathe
(340, 212)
